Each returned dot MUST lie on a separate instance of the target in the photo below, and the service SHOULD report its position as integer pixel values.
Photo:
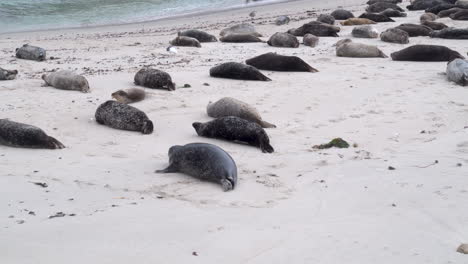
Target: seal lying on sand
(121, 116)
(451, 33)
(448, 12)
(440, 7)
(66, 80)
(29, 52)
(395, 35)
(428, 17)
(316, 28)
(228, 106)
(434, 25)
(240, 38)
(381, 6)
(365, 32)
(376, 17)
(155, 79)
(457, 71)
(327, 19)
(414, 30)
(310, 40)
(370, 2)
(393, 13)
(233, 128)
(424, 4)
(426, 53)
(129, 96)
(281, 20)
(201, 36)
(185, 42)
(7, 74)
(347, 48)
(357, 21)
(238, 71)
(203, 161)
(341, 14)
(284, 40)
(240, 29)
(460, 15)
(21, 135)
(273, 62)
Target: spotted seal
(238, 71)
(395, 35)
(347, 48)
(327, 19)
(376, 17)
(415, 30)
(66, 80)
(381, 6)
(155, 79)
(284, 40)
(243, 28)
(7, 74)
(316, 28)
(310, 40)
(357, 21)
(450, 33)
(365, 31)
(457, 71)
(199, 35)
(122, 116)
(21, 135)
(28, 52)
(426, 53)
(274, 62)
(341, 14)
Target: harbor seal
(393, 13)
(129, 96)
(424, 4)
(310, 40)
(199, 35)
(357, 21)
(185, 42)
(67, 80)
(234, 128)
(448, 12)
(229, 106)
(395, 35)
(14, 134)
(121, 116)
(365, 31)
(154, 79)
(450, 33)
(370, 2)
(440, 7)
(426, 53)
(282, 20)
(415, 30)
(457, 71)
(7, 74)
(240, 38)
(283, 40)
(243, 28)
(381, 6)
(28, 52)
(347, 48)
(460, 15)
(428, 17)
(273, 62)
(316, 28)
(203, 161)
(376, 17)
(327, 19)
(341, 14)
(434, 25)
(238, 71)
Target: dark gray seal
(28, 52)
(376, 17)
(238, 71)
(233, 128)
(327, 19)
(66, 80)
(434, 25)
(203, 161)
(393, 13)
(201, 36)
(316, 28)
(310, 40)
(440, 7)
(283, 40)
(457, 71)
(424, 4)
(460, 15)
(448, 12)
(426, 53)
(229, 106)
(155, 79)
(122, 116)
(273, 62)
(282, 20)
(185, 42)
(7, 74)
(21, 135)
(341, 14)
(129, 96)
(451, 33)
(395, 35)
(370, 2)
(243, 28)
(240, 38)
(415, 30)
(381, 6)
(347, 48)
(365, 31)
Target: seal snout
(197, 126)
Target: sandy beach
(296, 205)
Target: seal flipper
(265, 124)
(55, 144)
(266, 148)
(227, 184)
(171, 168)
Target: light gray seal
(347, 48)
(129, 96)
(327, 19)
(370, 2)
(28, 52)
(154, 79)
(7, 74)
(238, 71)
(451, 33)
(310, 40)
(235, 129)
(395, 35)
(457, 71)
(240, 38)
(243, 28)
(282, 20)
(365, 31)
(185, 42)
(122, 116)
(341, 14)
(428, 17)
(21, 135)
(66, 80)
(201, 36)
(274, 62)
(426, 53)
(283, 40)
(203, 161)
(229, 106)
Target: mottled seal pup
(457, 71)
(234, 128)
(376, 17)
(28, 52)
(240, 29)
(203, 161)
(238, 71)
(155, 79)
(460, 15)
(240, 38)
(129, 96)
(341, 14)
(327, 19)
(273, 62)
(310, 40)
(347, 48)
(357, 21)
(365, 32)
(122, 116)
(450, 33)
(282, 20)
(395, 35)
(66, 80)
(283, 40)
(428, 17)
(21, 135)
(393, 13)
(434, 25)
(316, 28)
(7, 74)
(229, 106)
(426, 53)
(381, 6)
(201, 36)
(414, 30)
(185, 42)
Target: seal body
(273, 62)
(235, 129)
(440, 7)
(29, 52)
(460, 15)
(67, 80)
(381, 6)
(282, 20)
(243, 28)
(357, 21)
(316, 28)
(129, 96)
(229, 106)
(341, 14)
(121, 116)
(155, 79)
(347, 48)
(327, 19)
(451, 33)
(376, 17)
(414, 30)
(393, 13)
(457, 71)
(423, 4)
(365, 32)
(428, 17)
(395, 35)
(434, 25)
(310, 40)
(284, 40)
(185, 41)
(199, 35)
(238, 71)
(203, 161)
(370, 2)
(21, 135)
(240, 38)
(448, 12)
(426, 53)
(7, 74)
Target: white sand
(297, 205)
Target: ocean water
(30, 15)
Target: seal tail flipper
(267, 148)
(312, 69)
(265, 124)
(55, 144)
(227, 184)
(171, 168)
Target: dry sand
(297, 205)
